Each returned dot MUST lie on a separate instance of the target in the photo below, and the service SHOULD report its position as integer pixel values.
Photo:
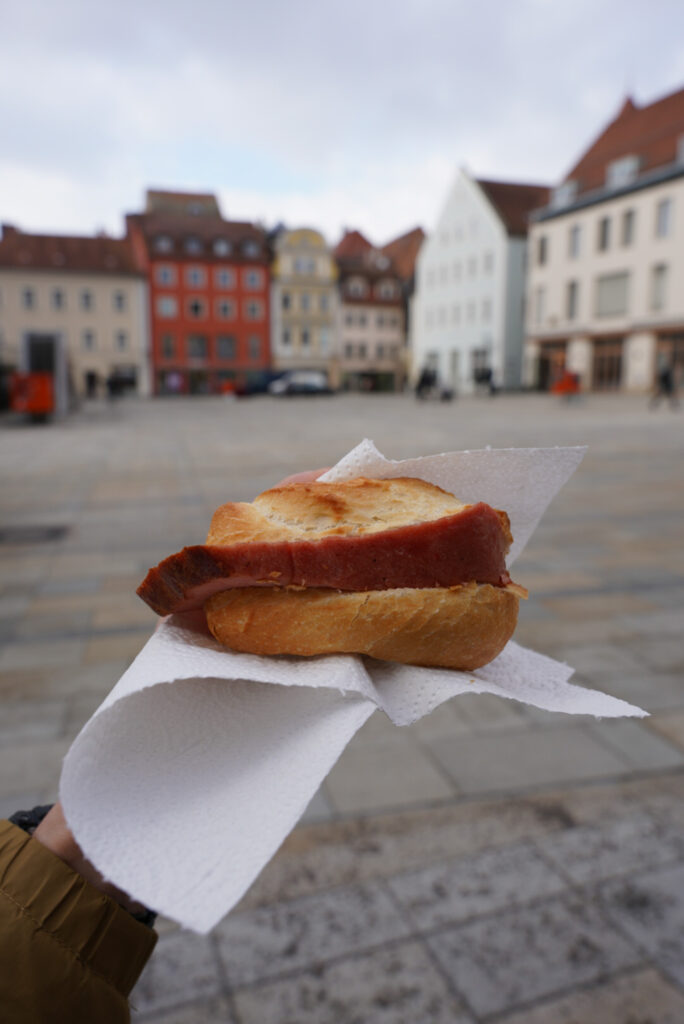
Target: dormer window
(623, 171)
(386, 290)
(356, 288)
(163, 243)
(251, 249)
(192, 246)
(222, 247)
(564, 195)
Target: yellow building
(303, 303)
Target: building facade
(76, 307)
(607, 258)
(371, 333)
(303, 303)
(209, 287)
(467, 319)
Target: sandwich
(397, 569)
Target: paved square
(492, 858)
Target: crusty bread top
(314, 510)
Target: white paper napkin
(200, 761)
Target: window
(443, 274)
(119, 300)
(195, 277)
(472, 266)
(224, 278)
(349, 319)
(167, 306)
(486, 310)
(254, 347)
(603, 234)
(286, 336)
(488, 262)
(222, 247)
(168, 346)
(324, 344)
(571, 297)
(663, 218)
(197, 309)
(193, 246)
(165, 274)
(304, 265)
(197, 346)
(163, 243)
(121, 340)
(429, 317)
(323, 303)
(456, 314)
(86, 299)
(255, 310)
(457, 270)
(471, 311)
(380, 320)
(574, 235)
(627, 236)
(285, 300)
(388, 289)
(304, 302)
(622, 171)
(254, 279)
(564, 194)
(225, 309)
(88, 340)
(441, 315)
(611, 294)
(251, 249)
(658, 286)
(226, 346)
(430, 278)
(542, 250)
(349, 351)
(58, 299)
(306, 336)
(356, 288)
(539, 305)
(363, 350)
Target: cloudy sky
(330, 114)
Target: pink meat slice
(468, 546)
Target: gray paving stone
(471, 886)
(600, 661)
(509, 761)
(211, 1011)
(31, 767)
(589, 853)
(283, 937)
(641, 997)
(640, 748)
(650, 908)
(23, 720)
(183, 969)
(521, 955)
(41, 654)
(662, 653)
(398, 985)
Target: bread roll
(461, 627)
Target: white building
(467, 310)
(607, 258)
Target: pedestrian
(665, 385)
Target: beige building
(371, 332)
(77, 305)
(607, 257)
(303, 303)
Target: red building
(209, 295)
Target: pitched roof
(352, 244)
(514, 202)
(403, 252)
(652, 133)
(207, 230)
(197, 204)
(86, 254)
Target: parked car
(301, 382)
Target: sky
(331, 115)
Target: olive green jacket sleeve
(67, 951)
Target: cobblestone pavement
(490, 863)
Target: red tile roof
(352, 244)
(180, 227)
(97, 254)
(403, 252)
(202, 204)
(651, 132)
(514, 202)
